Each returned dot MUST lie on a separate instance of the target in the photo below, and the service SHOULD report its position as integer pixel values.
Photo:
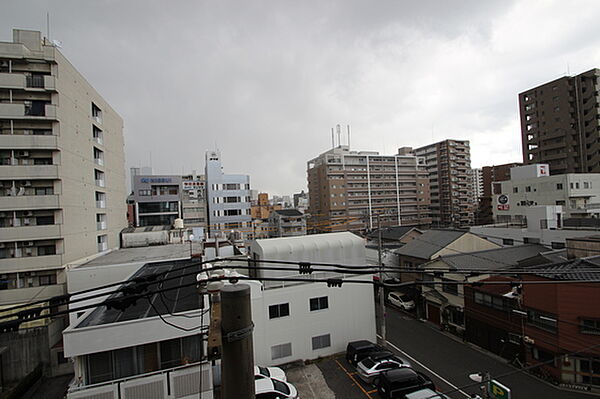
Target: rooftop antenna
(348, 128)
(48, 26)
(332, 139)
(338, 131)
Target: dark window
(559, 186)
(450, 288)
(279, 351)
(544, 321)
(590, 326)
(508, 241)
(49, 279)
(99, 367)
(319, 303)
(170, 353)
(279, 310)
(46, 250)
(44, 220)
(558, 245)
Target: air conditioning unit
(4, 64)
(28, 213)
(28, 244)
(27, 183)
(2, 245)
(26, 221)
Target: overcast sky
(265, 81)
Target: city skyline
(275, 78)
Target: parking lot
(343, 379)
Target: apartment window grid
(321, 341)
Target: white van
(401, 300)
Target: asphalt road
(449, 362)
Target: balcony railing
(99, 161)
(100, 182)
(101, 204)
(101, 225)
(179, 382)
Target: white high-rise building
(227, 199)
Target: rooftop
(392, 233)
(493, 259)
(289, 212)
(583, 269)
(430, 242)
(177, 300)
(142, 254)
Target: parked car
(268, 372)
(401, 300)
(371, 367)
(426, 394)
(271, 388)
(396, 383)
(358, 350)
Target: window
(528, 189)
(170, 353)
(558, 245)
(319, 303)
(279, 310)
(232, 212)
(508, 241)
(280, 351)
(231, 186)
(586, 185)
(99, 367)
(46, 250)
(515, 189)
(232, 199)
(559, 186)
(544, 321)
(590, 326)
(449, 288)
(321, 341)
(577, 185)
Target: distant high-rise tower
(560, 124)
(449, 167)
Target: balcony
(180, 382)
(30, 232)
(100, 226)
(100, 182)
(31, 263)
(28, 202)
(27, 142)
(25, 172)
(101, 204)
(17, 111)
(12, 81)
(99, 161)
(24, 295)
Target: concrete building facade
(348, 189)
(531, 185)
(62, 184)
(449, 166)
(228, 199)
(489, 176)
(560, 124)
(62, 174)
(287, 223)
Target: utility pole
(237, 362)
(381, 293)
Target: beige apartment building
(348, 189)
(453, 200)
(62, 175)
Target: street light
(191, 238)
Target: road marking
(372, 391)
(353, 379)
(428, 369)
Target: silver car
(369, 369)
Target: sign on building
(503, 204)
(498, 391)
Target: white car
(401, 300)
(271, 388)
(426, 394)
(268, 372)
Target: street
(449, 362)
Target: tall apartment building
(489, 176)
(477, 175)
(227, 198)
(62, 173)
(449, 167)
(560, 124)
(61, 168)
(348, 189)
